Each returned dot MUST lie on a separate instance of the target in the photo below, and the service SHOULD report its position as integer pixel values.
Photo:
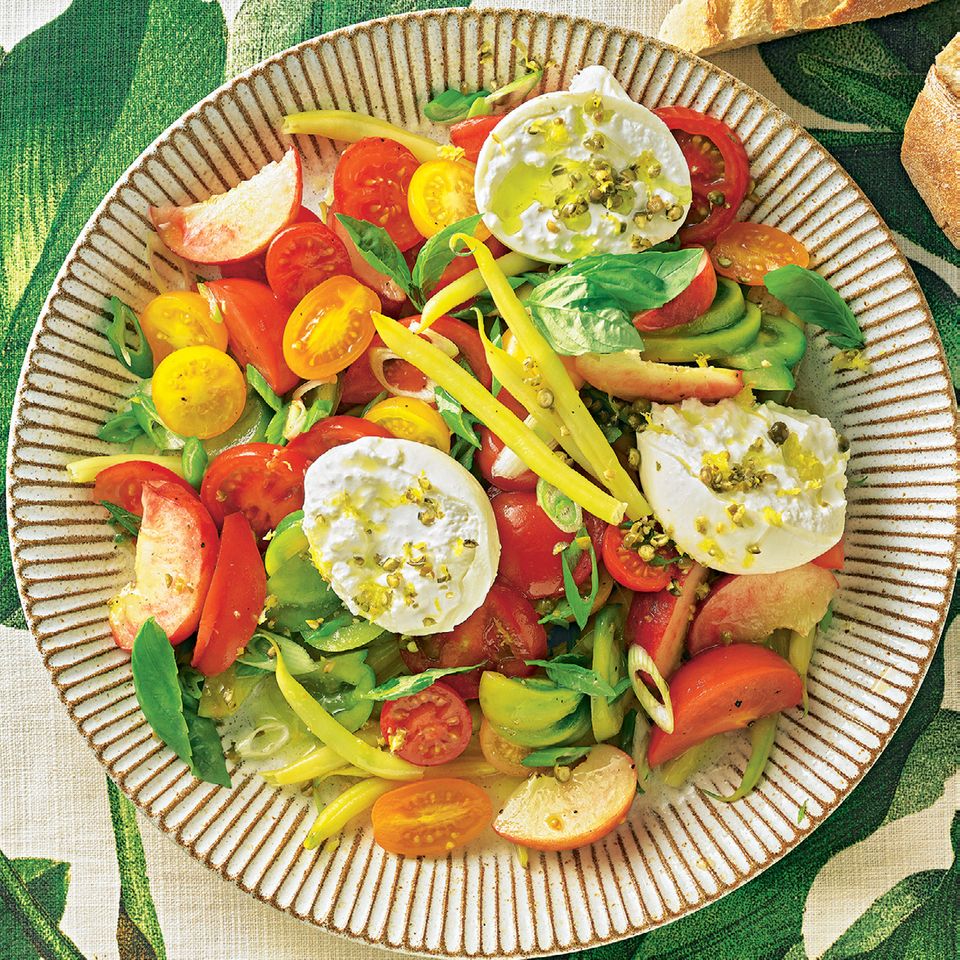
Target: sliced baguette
(708, 26)
(931, 141)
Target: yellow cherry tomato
(441, 193)
(199, 392)
(181, 318)
(329, 328)
(411, 419)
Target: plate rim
(522, 20)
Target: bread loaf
(707, 26)
(931, 141)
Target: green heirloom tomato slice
(779, 342)
(528, 704)
(339, 684)
(610, 663)
(570, 729)
(679, 349)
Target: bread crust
(931, 141)
(709, 26)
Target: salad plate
(677, 850)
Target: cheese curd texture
(404, 535)
(731, 497)
(538, 160)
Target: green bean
(762, 734)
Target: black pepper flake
(739, 703)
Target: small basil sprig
(580, 606)
(555, 756)
(194, 459)
(571, 673)
(461, 422)
(397, 687)
(436, 256)
(814, 301)
(126, 524)
(138, 361)
(378, 249)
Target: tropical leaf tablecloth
(80, 96)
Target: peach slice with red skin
(628, 376)
(238, 224)
(748, 608)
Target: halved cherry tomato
(333, 432)
(256, 267)
(747, 252)
(329, 328)
(180, 318)
(723, 689)
(199, 392)
(501, 753)
(528, 538)
(410, 419)
(371, 182)
(491, 446)
(234, 601)
(719, 171)
(686, 305)
(301, 257)
(431, 818)
(262, 481)
(625, 565)
(122, 483)
(176, 555)
(831, 559)
(255, 320)
(470, 134)
(441, 193)
(427, 728)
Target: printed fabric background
(85, 88)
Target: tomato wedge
(234, 601)
(122, 483)
(471, 134)
(719, 171)
(626, 566)
(333, 432)
(747, 252)
(262, 481)
(431, 818)
(723, 689)
(686, 305)
(427, 728)
(831, 559)
(371, 182)
(255, 320)
(301, 257)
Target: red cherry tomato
(255, 268)
(333, 432)
(262, 481)
(625, 565)
(528, 538)
(370, 183)
(723, 689)
(234, 601)
(686, 305)
(491, 447)
(719, 171)
(301, 257)
(427, 728)
(122, 483)
(255, 321)
(470, 134)
(831, 559)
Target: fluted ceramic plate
(678, 850)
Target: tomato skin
(527, 539)
(176, 555)
(726, 172)
(723, 689)
(440, 194)
(234, 601)
(255, 321)
(371, 182)
(831, 559)
(333, 432)
(747, 252)
(122, 483)
(256, 267)
(261, 480)
(486, 457)
(686, 305)
(428, 728)
(470, 134)
(502, 754)
(430, 818)
(301, 257)
(626, 567)
(180, 318)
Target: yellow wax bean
(86, 470)
(344, 125)
(340, 811)
(467, 768)
(800, 653)
(318, 763)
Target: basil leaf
(574, 676)
(122, 427)
(398, 687)
(127, 523)
(379, 250)
(207, 760)
(157, 687)
(194, 459)
(451, 105)
(266, 393)
(138, 361)
(435, 257)
(580, 606)
(554, 756)
(814, 301)
(460, 422)
(674, 270)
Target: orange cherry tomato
(234, 601)
(831, 559)
(329, 328)
(747, 252)
(431, 818)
